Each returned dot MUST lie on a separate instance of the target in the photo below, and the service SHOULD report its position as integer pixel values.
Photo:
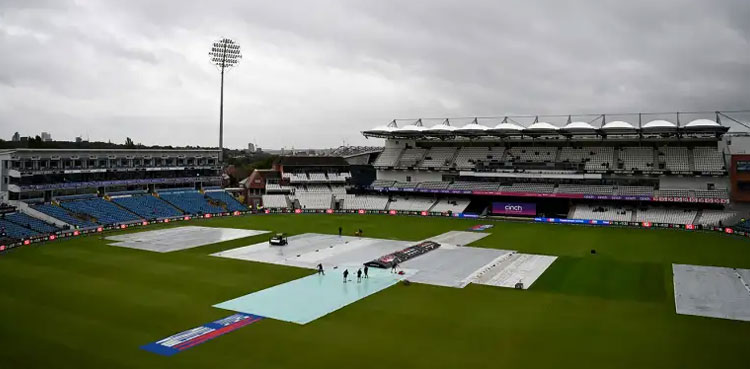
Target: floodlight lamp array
(225, 53)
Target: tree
(129, 142)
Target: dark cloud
(317, 73)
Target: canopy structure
(508, 127)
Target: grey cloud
(317, 73)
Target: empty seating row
(439, 157)
(275, 201)
(192, 202)
(30, 222)
(637, 158)
(434, 185)
(532, 154)
(474, 186)
(635, 191)
(410, 204)
(711, 217)
(148, 206)
(13, 230)
(602, 212)
(586, 189)
(664, 215)
(712, 194)
(364, 202)
(227, 200)
(468, 156)
(62, 214)
(451, 205)
(101, 210)
(677, 192)
(411, 157)
(708, 159)
(676, 159)
(316, 201)
(594, 158)
(532, 187)
(388, 158)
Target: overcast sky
(316, 73)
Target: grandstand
(637, 172)
(640, 169)
(89, 188)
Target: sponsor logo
(193, 337)
(481, 227)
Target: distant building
(16, 137)
(79, 139)
(46, 137)
(250, 147)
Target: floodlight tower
(225, 53)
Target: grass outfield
(80, 304)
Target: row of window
(48, 164)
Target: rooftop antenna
(225, 54)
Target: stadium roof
(508, 127)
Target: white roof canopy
(542, 126)
(474, 127)
(578, 125)
(703, 123)
(618, 124)
(508, 127)
(659, 123)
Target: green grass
(81, 304)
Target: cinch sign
(514, 208)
